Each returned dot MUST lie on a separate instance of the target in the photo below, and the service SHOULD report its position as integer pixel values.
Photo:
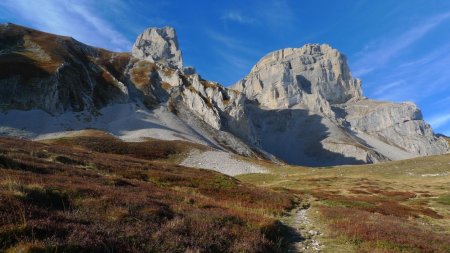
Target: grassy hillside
(91, 192)
(94, 193)
(401, 206)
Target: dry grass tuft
(382, 233)
(140, 73)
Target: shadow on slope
(295, 136)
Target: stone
(189, 70)
(397, 124)
(58, 74)
(299, 105)
(308, 109)
(298, 76)
(159, 45)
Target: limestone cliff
(300, 105)
(158, 45)
(311, 76)
(317, 79)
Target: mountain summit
(299, 105)
(296, 76)
(158, 45)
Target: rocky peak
(292, 76)
(298, 104)
(159, 45)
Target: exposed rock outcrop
(159, 45)
(311, 76)
(400, 125)
(55, 73)
(301, 105)
(333, 122)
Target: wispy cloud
(237, 16)
(237, 57)
(420, 78)
(234, 44)
(443, 101)
(72, 18)
(439, 120)
(374, 57)
(384, 88)
(235, 60)
(276, 14)
(102, 27)
(234, 51)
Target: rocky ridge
(301, 105)
(158, 45)
(311, 76)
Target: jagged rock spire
(159, 45)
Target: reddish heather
(55, 197)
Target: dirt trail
(302, 234)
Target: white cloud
(238, 17)
(372, 58)
(71, 18)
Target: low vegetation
(391, 207)
(206, 84)
(93, 193)
(140, 73)
(151, 149)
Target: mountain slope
(55, 73)
(327, 120)
(95, 193)
(299, 105)
(88, 87)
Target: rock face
(400, 125)
(300, 105)
(57, 74)
(310, 110)
(310, 76)
(158, 45)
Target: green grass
(444, 199)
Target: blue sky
(400, 49)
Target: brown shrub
(381, 233)
(377, 204)
(91, 201)
(358, 191)
(140, 73)
(166, 85)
